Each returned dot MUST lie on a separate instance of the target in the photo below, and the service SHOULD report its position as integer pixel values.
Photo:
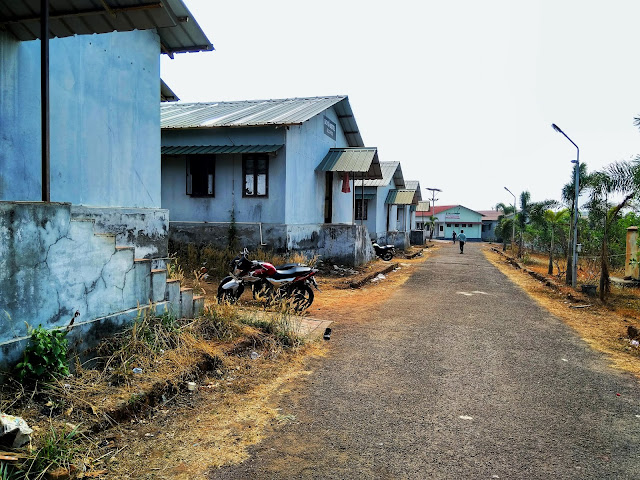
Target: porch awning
(401, 197)
(178, 30)
(212, 149)
(366, 196)
(357, 160)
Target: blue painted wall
(307, 145)
(105, 119)
(229, 182)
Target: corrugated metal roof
(211, 149)
(251, 113)
(178, 30)
(358, 160)
(389, 170)
(401, 197)
(414, 185)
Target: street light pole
(574, 267)
(513, 223)
(433, 208)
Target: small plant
(174, 268)
(9, 472)
(58, 449)
(46, 355)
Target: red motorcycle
(291, 282)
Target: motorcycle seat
(291, 272)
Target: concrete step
(158, 284)
(198, 305)
(186, 302)
(142, 279)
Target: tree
(522, 218)
(504, 228)
(553, 220)
(617, 178)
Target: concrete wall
(339, 243)
(229, 182)
(307, 145)
(105, 120)
(489, 230)
(52, 266)
(145, 229)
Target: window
(448, 225)
(255, 170)
(361, 214)
(442, 228)
(457, 225)
(201, 175)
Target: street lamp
(433, 210)
(513, 223)
(574, 267)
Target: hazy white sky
(463, 93)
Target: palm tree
(504, 226)
(621, 178)
(553, 220)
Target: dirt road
(459, 375)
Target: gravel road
(460, 375)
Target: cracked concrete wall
(146, 229)
(345, 244)
(52, 266)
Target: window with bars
(361, 209)
(255, 171)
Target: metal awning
(357, 160)
(166, 94)
(213, 149)
(178, 30)
(401, 197)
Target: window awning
(212, 149)
(401, 197)
(356, 160)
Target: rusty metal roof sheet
(212, 149)
(401, 197)
(178, 30)
(252, 113)
(357, 160)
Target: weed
(281, 326)
(9, 472)
(45, 356)
(59, 448)
(174, 268)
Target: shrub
(46, 355)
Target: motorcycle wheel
(301, 297)
(228, 295)
(263, 290)
(386, 256)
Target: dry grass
(603, 326)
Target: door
(328, 197)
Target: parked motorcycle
(291, 282)
(385, 252)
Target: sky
(463, 93)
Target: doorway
(328, 197)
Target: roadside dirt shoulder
(598, 324)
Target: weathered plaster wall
(52, 266)
(229, 182)
(145, 229)
(307, 145)
(274, 236)
(105, 120)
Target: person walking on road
(454, 237)
(461, 239)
